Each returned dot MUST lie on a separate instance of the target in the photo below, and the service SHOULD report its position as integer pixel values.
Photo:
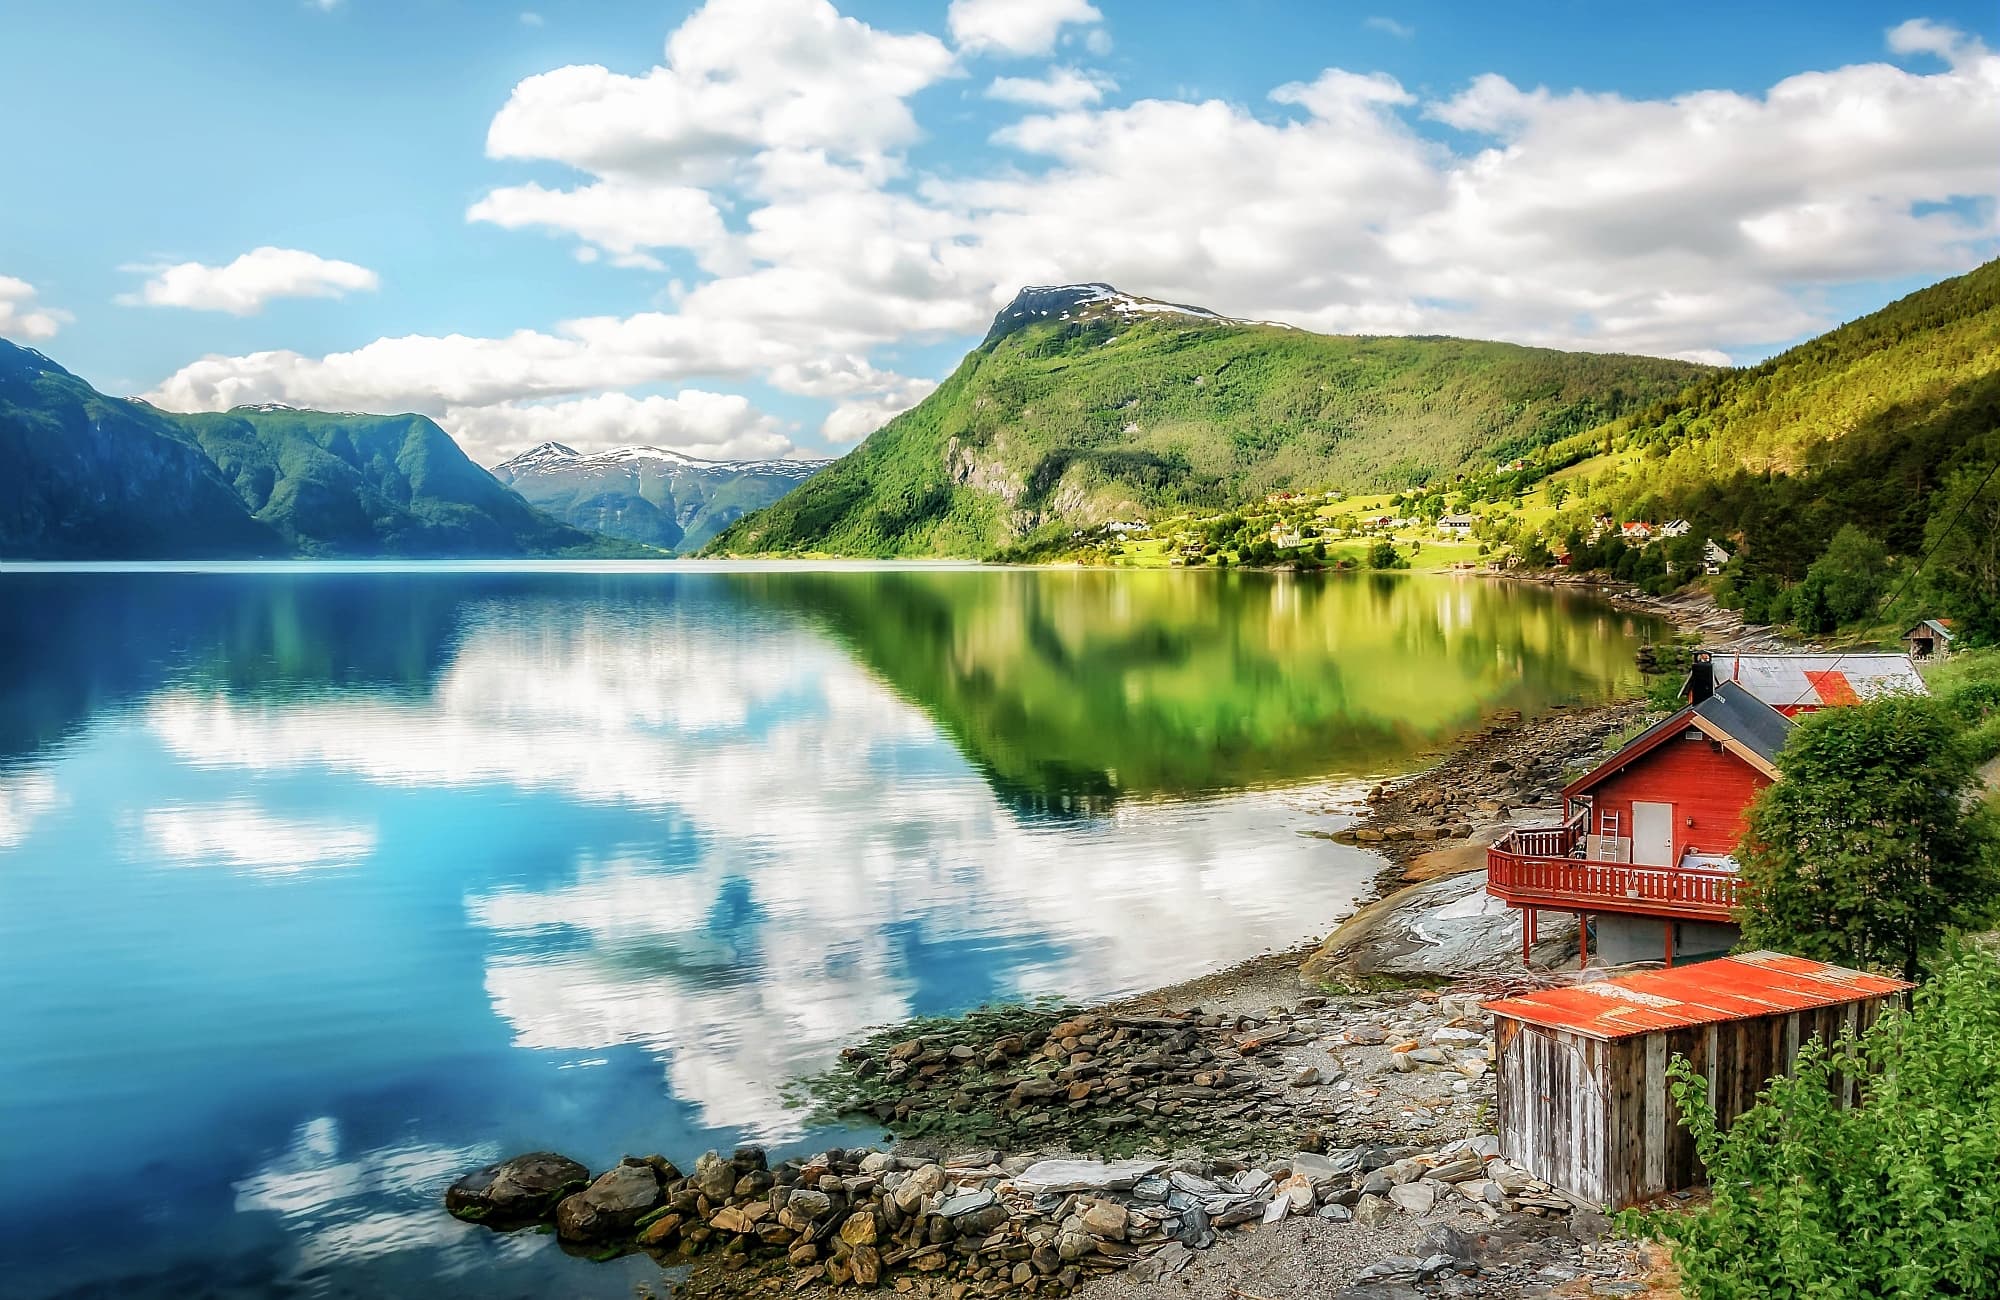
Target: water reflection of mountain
(1074, 688)
(79, 644)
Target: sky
(752, 228)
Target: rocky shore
(1352, 1125)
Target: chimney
(1701, 677)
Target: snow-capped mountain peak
(1051, 302)
(552, 457)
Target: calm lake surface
(320, 886)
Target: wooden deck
(1534, 867)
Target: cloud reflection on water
(241, 835)
(346, 1208)
(833, 862)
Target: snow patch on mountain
(556, 456)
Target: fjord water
(320, 886)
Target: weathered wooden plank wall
(1598, 1118)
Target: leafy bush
(1894, 1198)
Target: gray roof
(1748, 719)
(1811, 681)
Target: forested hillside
(1085, 405)
(89, 476)
(96, 477)
(1851, 454)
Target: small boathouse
(1584, 1100)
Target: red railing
(1532, 867)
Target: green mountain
(96, 477)
(1084, 405)
(1885, 427)
(650, 495)
(90, 476)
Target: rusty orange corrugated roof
(1728, 988)
(1833, 688)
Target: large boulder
(525, 1189)
(610, 1206)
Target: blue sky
(786, 225)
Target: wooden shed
(1583, 1092)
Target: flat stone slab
(1050, 1176)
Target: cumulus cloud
(772, 147)
(621, 217)
(1058, 88)
(856, 418)
(22, 316)
(1389, 27)
(740, 76)
(1922, 36)
(244, 286)
(1015, 27)
(714, 426)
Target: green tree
(1964, 532)
(1843, 584)
(1382, 555)
(1867, 849)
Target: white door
(1653, 834)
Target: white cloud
(714, 426)
(1015, 27)
(856, 418)
(740, 76)
(244, 286)
(1058, 88)
(1689, 225)
(1389, 27)
(1922, 36)
(531, 19)
(621, 217)
(22, 317)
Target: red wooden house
(1645, 845)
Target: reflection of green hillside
(1067, 685)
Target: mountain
(1084, 404)
(96, 477)
(1862, 425)
(649, 494)
(90, 476)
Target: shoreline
(1357, 1116)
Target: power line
(1922, 560)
